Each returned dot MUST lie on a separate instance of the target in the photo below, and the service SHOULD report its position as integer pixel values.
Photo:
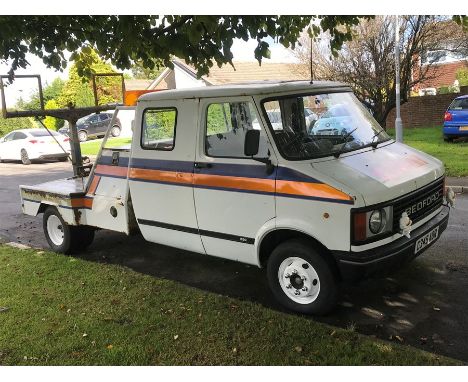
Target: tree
(77, 90)
(367, 63)
(462, 76)
(140, 72)
(7, 125)
(50, 92)
(126, 40)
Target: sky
(242, 51)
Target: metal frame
(71, 114)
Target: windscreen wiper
(340, 151)
(374, 144)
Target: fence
(425, 111)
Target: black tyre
(82, 136)
(115, 132)
(301, 279)
(25, 157)
(62, 237)
(448, 138)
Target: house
(185, 76)
(440, 63)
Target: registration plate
(463, 128)
(427, 239)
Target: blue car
(456, 119)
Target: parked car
(30, 144)
(94, 126)
(456, 119)
(335, 121)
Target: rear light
(35, 141)
(360, 226)
(447, 116)
(66, 139)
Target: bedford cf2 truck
(240, 173)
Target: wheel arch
(277, 236)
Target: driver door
(234, 194)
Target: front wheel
(62, 237)
(115, 132)
(25, 157)
(300, 279)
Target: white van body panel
(161, 181)
(385, 173)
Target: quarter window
(226, 126)
(158, 131)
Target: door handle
(202, 165)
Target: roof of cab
(243, 89)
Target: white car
(30, 144)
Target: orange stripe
(111, 170)
(82, 202)
(93, 185)
(319, 190)
(252, 184)
(162, 176)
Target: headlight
(377, 221)
(371, 225)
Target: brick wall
(424, 111)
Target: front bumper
(387, 258)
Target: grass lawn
(92, 147)
(67, 311)
(430, 140)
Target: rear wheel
(115, 132)
(82, 136)
(25, 157)
(63, 237)
(448, 138)
(301, 279)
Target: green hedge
(10, 124)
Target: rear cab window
(159, 128)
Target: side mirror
(251, 143)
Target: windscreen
(320, 125)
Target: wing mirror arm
(269, 166)
(251, 145)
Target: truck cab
(208, 170)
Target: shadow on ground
(411, 307)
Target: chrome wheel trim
(299, 280)
(55, 230)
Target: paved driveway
(425, 304)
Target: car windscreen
(459, 104)
(343, 124)
(42, 133)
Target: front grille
(419, 204)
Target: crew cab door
(234, 194)
(161, 172)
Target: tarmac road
(425, 304)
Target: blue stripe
(162, 165)
(316, 198)
(107, 160)
(285, 173)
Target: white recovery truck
(208, 170)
